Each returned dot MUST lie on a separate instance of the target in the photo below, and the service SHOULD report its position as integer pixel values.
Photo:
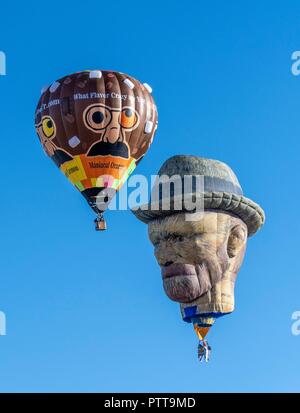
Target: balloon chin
(182, 288)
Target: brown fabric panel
(136, 134)
(55, 113)
(151, 115)
(67, 114)
(130, 102)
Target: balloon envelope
(96, 126)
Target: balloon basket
(100, 224)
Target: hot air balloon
(200, 251)
(96, 126)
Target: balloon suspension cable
(204, 348)
(100, 224)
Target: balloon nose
(113, 134)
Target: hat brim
(245, 209)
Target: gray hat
(222, 191)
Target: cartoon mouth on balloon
(107, 148)
(185, 282)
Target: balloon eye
(97, 117)
(128, 118)
(48, 127)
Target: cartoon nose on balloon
(112, 134)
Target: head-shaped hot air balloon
(96, 126)
(200, 252)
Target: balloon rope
(201, 331)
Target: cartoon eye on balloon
(97, 117)
(46, 131)
(128, 118)
(46, 128)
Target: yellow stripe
(73, 170)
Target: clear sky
(86, 311)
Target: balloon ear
(236, 240)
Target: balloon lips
(96, 126)
(200, 254)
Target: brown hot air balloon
(96, 126)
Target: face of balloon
(195, 256)
(96, 126)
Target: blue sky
(86, 311)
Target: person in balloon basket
(204, 351)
